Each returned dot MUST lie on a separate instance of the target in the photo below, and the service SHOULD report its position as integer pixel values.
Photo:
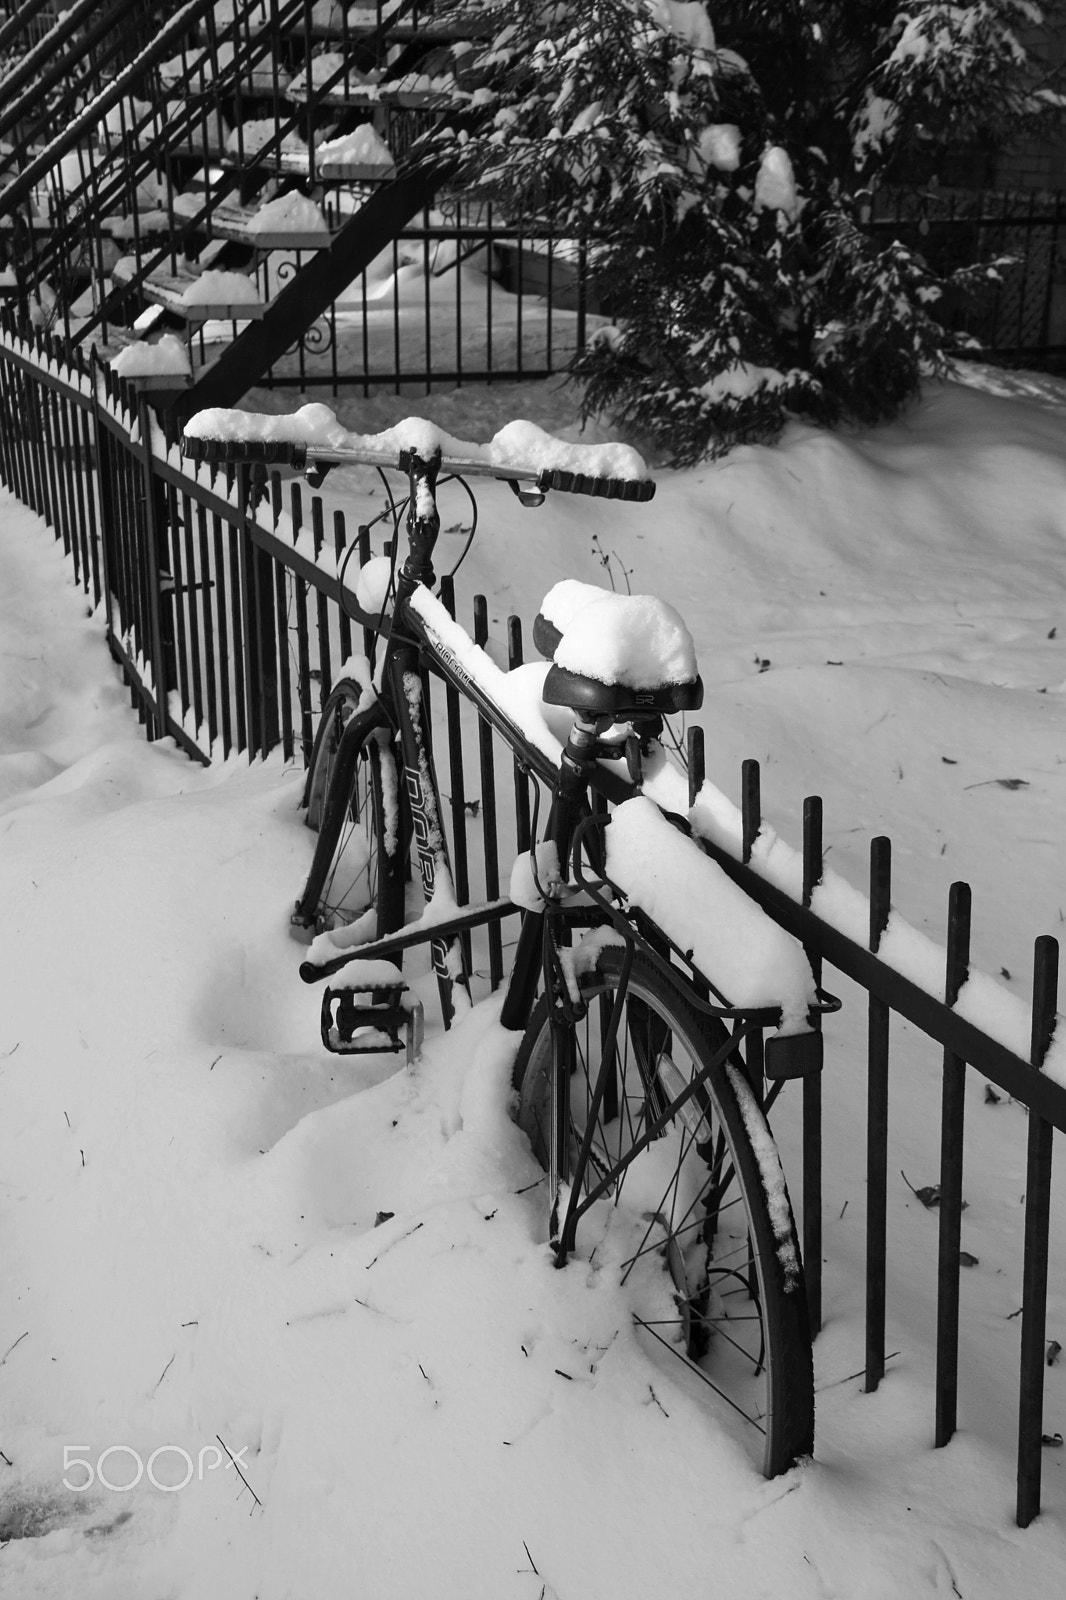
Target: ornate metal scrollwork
(319, 337)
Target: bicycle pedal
(372, 1021)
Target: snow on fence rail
(224, 612)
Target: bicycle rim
(705, 1203)
(355, 880)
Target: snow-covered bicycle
(629, 1078)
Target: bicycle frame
(400, 710)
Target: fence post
(155, 548)
(1037, 1220)
(953, 1105)
(750, 806)
(259, 627)
(877, 1127)
(813, 866)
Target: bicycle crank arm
(312, 971)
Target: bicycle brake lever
(527, 497)
(315, 475)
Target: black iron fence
(229, 616)
(1020, 315)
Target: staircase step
(202, 150)
(168, 289)
(238, 223)
(154, 224)
(414, 93)
(297, 163)
(364, 21)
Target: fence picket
(813, 867)
(523, 833)
(877, 1126)
(490, 835)
(207, 613)
(325, 683)
(750, 806)
(303, 640)
(457, 782)
(953, 1105)
(1035, 1255)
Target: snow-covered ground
(190, 1187)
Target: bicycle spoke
(755, 1420)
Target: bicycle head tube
(423, 519)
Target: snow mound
(139, 360)
(364, 144)
(221, 288)
(293, 212)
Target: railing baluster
(369, 636)
(1037, 1223)
(303, 639)
(228, 694)
(325, 683)
(812, 1087)
(953, 1106)
(460, 860)
(207, 593)
(178, 598)
(195, 583)
(751, 807)
(281, 637)
(93, 500)
(235, 544)
(488, 807)
(521, 778)
(67, 485)
(877, 1127)
(340, 541)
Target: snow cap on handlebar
(609, 470)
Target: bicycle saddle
(616, 655)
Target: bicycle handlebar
(301, 456)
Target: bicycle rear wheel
(358, 881)
(705, 1201)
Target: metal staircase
(232, 167)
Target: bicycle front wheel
(355, 876)
(705, 1201)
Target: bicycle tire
(723, 1225)
(361, 883)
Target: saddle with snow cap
(615, 655)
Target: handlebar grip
(230, 452)
(601, 488)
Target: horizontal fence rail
(230, 609)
